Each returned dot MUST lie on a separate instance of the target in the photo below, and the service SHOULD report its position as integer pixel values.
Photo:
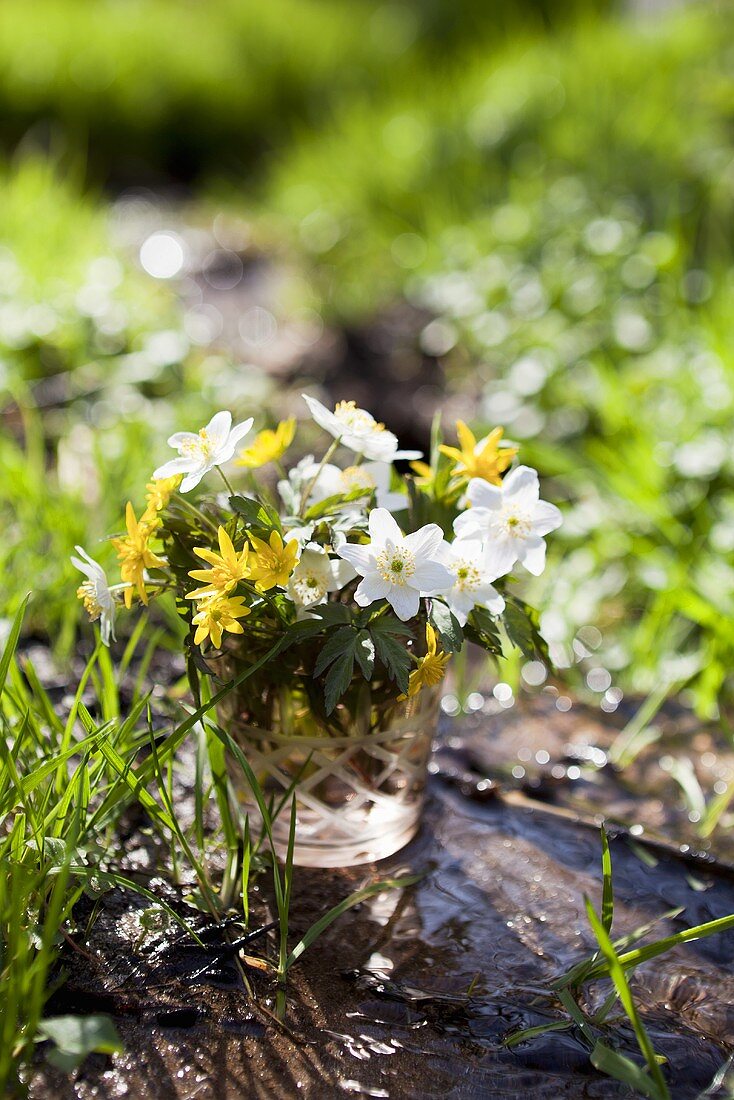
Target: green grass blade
(354, 899)
(617, 974)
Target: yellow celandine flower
(431, 669)
(486, 460)
(215, 614)
(273, 563)
(135, 555)
(227, 568)
(157, 495)
(424, 473)
(268, 445)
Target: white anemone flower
(370, 476)
(201, 451)
(512, 519)
(473, 567)
(396, 567)
(95, 594)
(358, 430)
(316, 575)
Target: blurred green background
(520, 213)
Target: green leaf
(521, 624)
(393, 655)
(446, 626)
(341, 641)
(481, 629)
(364, 651)
(330, 614)
(607, 903)
(262, 517)
(354, 899)
(333, 504)
(618, 976)
(532, 1032)
(339, 677)
(625, 1070)
(12, 642)
(74, 1037)
(389, 624)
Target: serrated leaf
(338, 678)
(389, 624)
(446, 626)
(521, 624)
(304, 629)
(394, 657)
(364, 651)
(343, 640)
(331, 614)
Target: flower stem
(310, 484)
(225, 479)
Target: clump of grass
(64, 783)
(613, 961)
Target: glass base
(362, 837)
(359, 797)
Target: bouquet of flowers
(324, 564)
(349, 585)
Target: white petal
(546, 518)
(361, 557)
(379, 446)
(408, 456)
(425, 542)
(373, 588)
(175, 467)
(239, 431)
(473, 522)
(192, 480)
(468, 548)
(89, 566)
(460, 604)
(532, 555)
(522, 485)
(394, 502)
(483, 495)
(500, 555)
(383, 527)
(431, 578)
(218, 427)
(107, 625)
(323, 417)
(178, 438)
(405, 601)
(489, 597)
(342, 572)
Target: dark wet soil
(412, 993)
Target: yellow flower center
(356, 477)
(357, 420)
(201, 447)
(87, 593)
(396, 565)
(467, 576)
(516, 523)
